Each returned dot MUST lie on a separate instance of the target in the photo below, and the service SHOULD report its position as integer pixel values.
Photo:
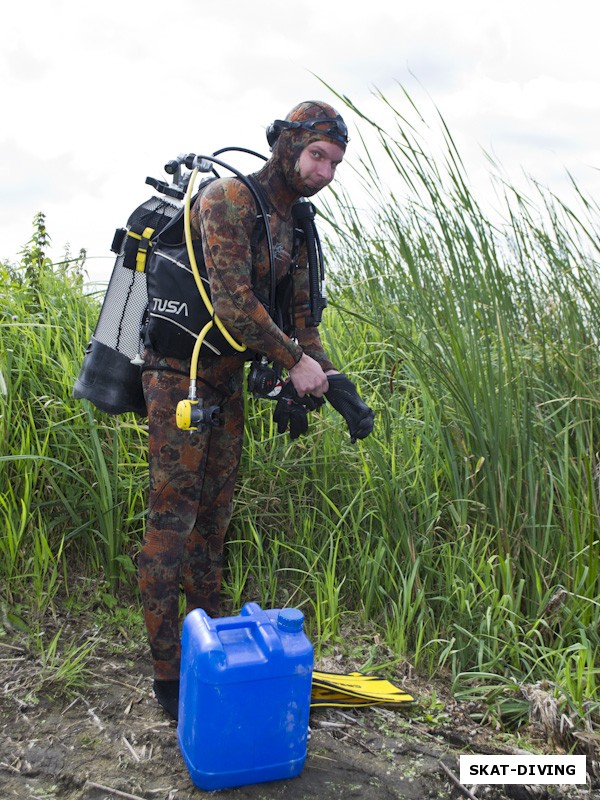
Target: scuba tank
(110, 375)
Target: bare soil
(111, 740)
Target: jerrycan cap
(290, 620)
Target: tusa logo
(170, 307)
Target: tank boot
(167, 694)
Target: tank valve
(191, 415)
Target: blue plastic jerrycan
(244, 698)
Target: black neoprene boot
(167, 694)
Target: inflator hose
(205, 298)
(190, 411)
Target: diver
(192, 474)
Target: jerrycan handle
(267, 637)
(253, 610)
(251, 617)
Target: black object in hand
(344, 397)
(290, 412)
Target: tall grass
(69, 479)
(489, 332)
(465, 528)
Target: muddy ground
(110, 740)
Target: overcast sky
(96, 96)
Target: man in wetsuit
(192, 475)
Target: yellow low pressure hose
(185, 415)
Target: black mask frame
(337, 129)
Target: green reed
(490, 333)
(70, 479)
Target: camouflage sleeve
(225, 215)
(308, 337)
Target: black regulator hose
(304, 214)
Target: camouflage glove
(343, 396)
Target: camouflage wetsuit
(192, 475)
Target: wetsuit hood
(308, 122)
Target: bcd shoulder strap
(304, 214)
